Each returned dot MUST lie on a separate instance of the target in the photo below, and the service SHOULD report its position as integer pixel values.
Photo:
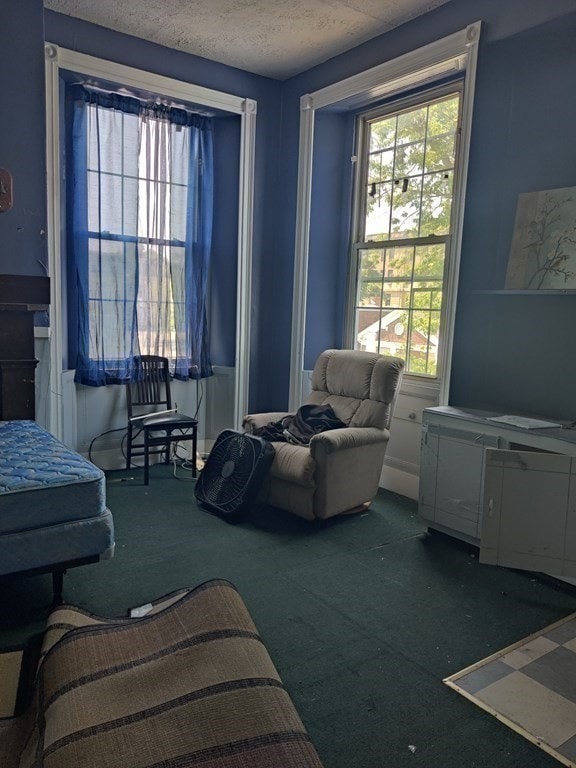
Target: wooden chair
(153, 424)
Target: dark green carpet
(363, 616)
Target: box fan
(233, 474)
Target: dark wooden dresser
(20, 297)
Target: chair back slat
(152, 384)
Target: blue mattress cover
(42, 481)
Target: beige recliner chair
(339, 471)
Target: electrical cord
(122, 444)
(108, 432)
(199, 385)
(186, 465)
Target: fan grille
(228, 472)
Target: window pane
(371, 261)
(440, 153)
(111, 277)
(398, 294)
(406, 209)
(429, 261)
(409, 160)
(111, 269)
(394, 334)
(366, 318)
(443, 115)
(153, 209)
(180, 148)
(400, 298)
(129, 209)
(381, 166)
(370, 278)
(383, 332)
(383, 134)
(425, 295)
(400, 262)
(179, 200)
(436, 204)
(178, 273)
(104, 203)
(378, 206)
(424, 342)
(412, 125)
(369, 293)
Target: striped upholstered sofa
(189, 684)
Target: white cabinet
(529, 515)
(509, 490)
(451, 477)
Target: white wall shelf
(527, 292)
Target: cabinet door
(452, 475)
(428, 465)
(527, 497)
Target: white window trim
(61, 58)
(456, 53)
(433, 382)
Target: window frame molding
(456, 53)
(56, 59)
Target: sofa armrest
(348, 437)
(256, 420)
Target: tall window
(404, 207)
(140, 204)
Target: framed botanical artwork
(543, 249)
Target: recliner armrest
(348, 437)
(256, 420)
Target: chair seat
(167, 421)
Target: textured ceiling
(275, 38)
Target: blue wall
(22, 148)
(94, 40)
(510, 351)
(515, 351)
(223, 283)
(331, 199)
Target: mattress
(52, 501)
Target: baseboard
(399, 481)
(110, 458)
(113, 458)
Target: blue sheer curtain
(139, 241)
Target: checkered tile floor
(531, 687)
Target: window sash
(361, 242)
(405, 304)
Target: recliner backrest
(360, 386)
